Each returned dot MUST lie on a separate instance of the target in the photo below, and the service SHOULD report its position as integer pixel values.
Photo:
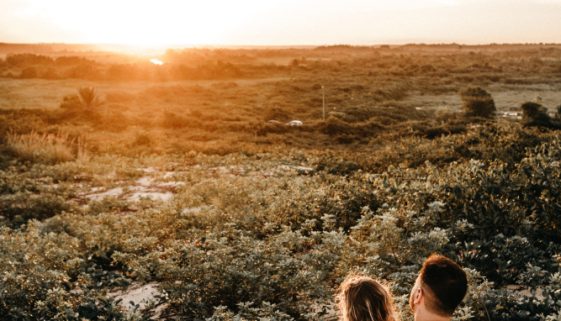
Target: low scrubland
(202, 188)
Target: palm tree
(89, 98)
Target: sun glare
(148, 26)
(156, 61)
(151, 24)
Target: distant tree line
(28, 66)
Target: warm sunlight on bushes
(194, 183)
(47, 148)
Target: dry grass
(47, 148)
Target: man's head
(440, 287)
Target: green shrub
(24, 197)
(223, 273)
(335, 126)
(176, 121)
(28, 72)
(248, 311)
(276, 113)
(272, 128)
(70, 102)
(434, 132)
(534, 114)
(19, 208)
(143, 139)
(478, 103)
(37, 281)
(249, 237)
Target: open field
(180, 192)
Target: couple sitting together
(438, 290)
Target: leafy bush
(28, 72)
(336, 126)
(478, 103)
(250, 237)
(176, 121)
(223, 272)
(534, 114)
(434, 132)
(39, 279)
(247, 311)
(143, 139)
(18, 209)
(71, 102)
(272, 128)
(276, 113)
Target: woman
(361, 298)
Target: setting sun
(146, 24)
(156, 24)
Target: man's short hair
(446, 283)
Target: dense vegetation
(266, 219)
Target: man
(438, 290)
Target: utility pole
(323, 100)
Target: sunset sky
(279, 22)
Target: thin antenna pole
(323, 100)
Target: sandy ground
(138, 297)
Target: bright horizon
(278, 23)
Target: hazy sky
(279, 22)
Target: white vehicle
(295, 123)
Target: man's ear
(418, 296)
